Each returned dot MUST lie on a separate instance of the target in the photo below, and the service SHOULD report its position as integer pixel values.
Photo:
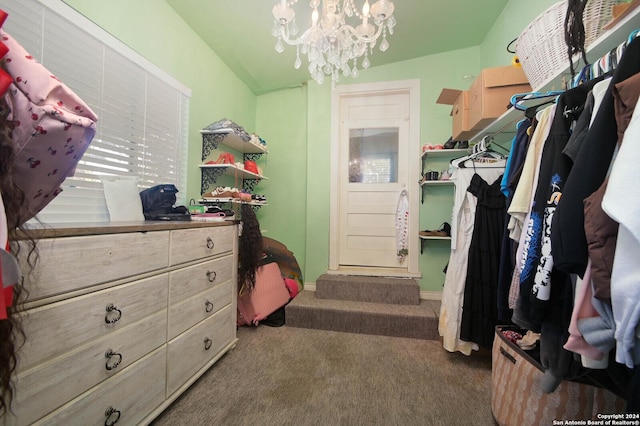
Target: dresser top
(55, 230)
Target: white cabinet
(118, 324)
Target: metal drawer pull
(210, 243)
(211, 276)
(207, 343)
(112, 416)
(109, 355)
(208, 306)
(111, 309)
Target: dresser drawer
(189, 352)
(46, 387)
(189, 281)
(73, 263)
(193, 244)
(191, 311)
(59, 327)
(131, 394)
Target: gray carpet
(294, 376)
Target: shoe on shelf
(450, 144)
(463, 144)
(429, 175)
(221, 192)
(445, 175)
(443, 231)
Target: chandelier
(332, 45)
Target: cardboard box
(459, 101)
(491, 93)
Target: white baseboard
(424, 295)
(431, 295)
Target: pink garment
(583, 309)
(292, 286)
(52, 126)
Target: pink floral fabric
(52, 126)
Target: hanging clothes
(402, 226)
(537, 267)
(519, 147)
(622, 202)
(569, 244)
(480, 309)
(520, 209)
(462, 226)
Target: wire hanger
(481, 151)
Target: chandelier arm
(359, 37)
(285, 36)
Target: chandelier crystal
(332, 45)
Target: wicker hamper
(541, 48)
(518, 400)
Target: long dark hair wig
(574, 33)
(250, 248)
(11, 332)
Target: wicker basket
(541, 47)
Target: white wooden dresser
(122, 318)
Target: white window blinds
(142, 127)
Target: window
(142, 127)
(373, 155)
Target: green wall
(283, 125)
(296, 123)
(514, 19)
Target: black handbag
(158, 203)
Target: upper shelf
(444, 152)
(231, 139)
(503, 129)
(232, 170)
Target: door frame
(412, 88)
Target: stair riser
(363, 323)
(400, 292)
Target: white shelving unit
(440, 154)
(211, 140)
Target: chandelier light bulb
(333, 40)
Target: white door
(374, 167)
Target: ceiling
(239, 31)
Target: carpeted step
(412, 321)
(400, 291)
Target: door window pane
(373, 155)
